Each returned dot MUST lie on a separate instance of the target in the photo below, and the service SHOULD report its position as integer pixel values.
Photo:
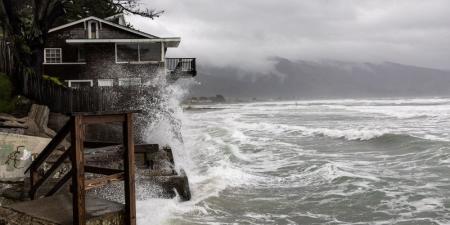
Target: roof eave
(171, 42)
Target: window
(142, 52)
(129, 81)
(127, 53)
(79, 83)
(93, 30)
(105, 82)
(52, 55)
(81, 54)
(150, 52)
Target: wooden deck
(57, 210)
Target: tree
(25, 24)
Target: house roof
(103, 21)
(169, 42)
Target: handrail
(55, 166)
(50, 147)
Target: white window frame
(90, 29)
(162, 59)
(107, 80)
(69, 82)
(45, 55)
(122, 80)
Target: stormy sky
(248, 33)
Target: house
(94, 52)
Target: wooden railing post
(129, 167)
(34, 176)
(77, 158)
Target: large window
(127, 53)
(141, 52)
(52, 55)
(150, 52)
(129, 81)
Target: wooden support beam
(104, 180)
(146, 148)
(34, 177)
(78, 186)
(101, 170)
(129, 167)
(96, 119)
(97, 144)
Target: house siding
(110, 32)
(100, 64)
(100, 57)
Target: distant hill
(305, 79)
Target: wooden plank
(103, 113)
(98, 144)
(77, 157)
(34, 176)
(146, 148)
(100, 170)
(129, 167)
(96, 119)
(104, 180)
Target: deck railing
(62, 99)
(182, 66)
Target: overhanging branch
(130, 6)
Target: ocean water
(384, 161)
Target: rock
(57, 120)
(35, 124)
(12, 122)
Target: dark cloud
(246, 33)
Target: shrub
(6, 103)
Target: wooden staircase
(75, 127)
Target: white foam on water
(206, 178)
(350, 134)
(234, 148)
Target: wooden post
(34, 176)
(130, 195)
(77, 155)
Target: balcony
(181, 67)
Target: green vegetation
(6, 102)
(55, 80)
